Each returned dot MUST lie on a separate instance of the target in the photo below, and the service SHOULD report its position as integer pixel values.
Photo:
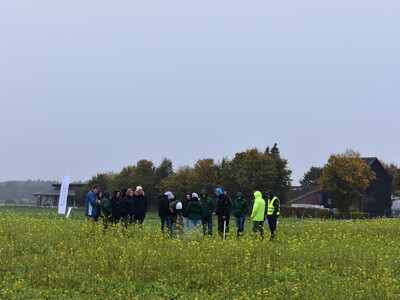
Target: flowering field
(45, 257)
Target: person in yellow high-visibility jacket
(258, 213)
(273, 211)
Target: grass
(46, 256)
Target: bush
(359, 215)
(305, 212)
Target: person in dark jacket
(240, 209)
(139, 205)
(207, 209)
(129, 209)
(273, 211)
(223, 211)
(106, 209)
(185, 211)
(195, 212)
(116, 207)
(164, 210)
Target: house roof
(370, 160)
(298, 192)
(54, 192)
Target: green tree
(249, 171)
(205, 175)
(180, 182)
(282, 180)
(346, 176)
(310, 178)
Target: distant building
(50, 198)
(376, 199)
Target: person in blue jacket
(92, 204)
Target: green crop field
(46, 256)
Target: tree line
(246, 172)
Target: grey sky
(93, 86)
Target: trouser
(272, 220)
(166, 221)
(207, 224)
(240, 224)
(258, 227)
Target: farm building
(50, 198)
(376, 199)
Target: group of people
(126, 206)
(193, 213)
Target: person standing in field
(195, 212)
(207, 209)
(273, 211)
(222, 211)
(258, 213)
(164, 212)
(116, 207)
(240, 209)
(106, 209)
(129, 209)
(185, 212)
(92, 204)
(139, 205)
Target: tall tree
(180, 182)
(346, 176)
(249, 171)
(205, 175)
(310, 178)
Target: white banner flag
(62, 203)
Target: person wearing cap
(273, 211)
(258, 213)
(240, 209)
(194, 209)
(139, 206)
(207, 209)
(164, 212)
(222, 211)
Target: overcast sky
(93, 86)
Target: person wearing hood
(139, 205)
(164, 211)
(222, 211)
(129, 209)
(273, 211)
(240, 209)
(207, 209)
(258, 213)
(106, 209)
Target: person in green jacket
(207, 209)
(106, 209)
(194, 210)
(258, 213)
(240, 209)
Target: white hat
(169, 195)
(178, 205)
(139, 188)
(194, 195)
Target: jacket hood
(203, 192)
(106, 194)
(240, 194)
(271, 193)
(219, 191)
(257, 195)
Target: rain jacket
(240, 206)
(258, 211)
(207, 205)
